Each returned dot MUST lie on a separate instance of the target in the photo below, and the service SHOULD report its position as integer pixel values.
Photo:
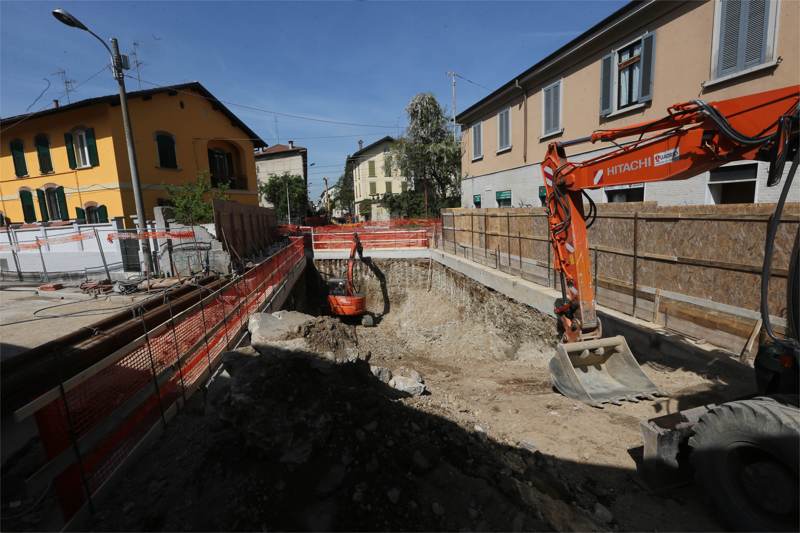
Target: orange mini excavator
(343, 298)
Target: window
(503, 198)
(42, 143)
(165, 148)
(81, 148)
(476, 201)
(372, 187)
(28, 211)
(389, 187)
(504, 129)
(744, 35)
(18, 155)
(477, 142)
(626, 75)
(371, 166)
(223, 169)
(625, 193)
(56, 203)
(96, 214)
(551, 109)
(735, 184)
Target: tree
(274, 191)
(428, 155)
(191, 201)
(405, 204)
(346, 195)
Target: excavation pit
(307, 434)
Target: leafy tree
(193, 201)
(365, 208)
(429, 155)
(274, 191)
(405, 204)
(345, 193)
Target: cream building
(278, 160)
(626, 69)
(372, 178)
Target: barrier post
(11, 244)
(102, 254)
(41, 257)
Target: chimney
(360, 144)
(55, 103)
(291, 144)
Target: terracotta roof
(113, 99)
(279, 149)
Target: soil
(303, 436)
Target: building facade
(373, 177)
(281, 159)
(71, 162)
(627, 69)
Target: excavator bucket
(600, 371)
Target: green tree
(405, 204)
(274, 191)
(428, 155)
(193, 201)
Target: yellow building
(71, 161)
(372, 178)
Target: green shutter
(42, 205)
(92, 145)
(80, 214)
(62, 203)
(43, 151)
(102, 213)
(18, 155)
(70, 150)
(28, 211)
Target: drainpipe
(524, 120)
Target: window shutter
(547, 106)
(28, 211)
(729, 31)
(43, 151)
(42, 205)
(80, 214)
(18, 155)
(102, 213)
(555, 102)
(648, 64)
(606, 80)
(91, 144)
(755, 38)
(70, 150)
(62, 203)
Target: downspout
(524, 120)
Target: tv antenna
(136, 63)
(69, 84)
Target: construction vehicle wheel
(745, 455)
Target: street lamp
(117, 65)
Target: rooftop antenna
(135, 63)
(452, 75)
(69, 85)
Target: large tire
(745, 455)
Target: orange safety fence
(39, 242)
(387, 234)
(104, 412)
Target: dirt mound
(329, 334)
(303, 443)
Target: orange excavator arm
(355, 248)
(694, 137)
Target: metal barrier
(372, 239)
(94, 421)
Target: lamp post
(119, 75)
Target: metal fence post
(152, 366)
(635, 257)
(519, 245)
(177, 349)
(508, 240)
(41, 256)
(102, 254)
(74, 440)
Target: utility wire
(270, 111)
(40, 95)
(457, 75)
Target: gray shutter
(555, 102)
(606, 80)
(648, 64)
(91, 144)
(548, 105)
(755, 38)
(729, 31)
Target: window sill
(503, 150)
(474, 159)
(176, 169)
(745, 72)
(551, 134)
(629, 109)
(84, 167)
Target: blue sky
(356, 62)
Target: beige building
(278, 160)
(372, 178)
(626, 69)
